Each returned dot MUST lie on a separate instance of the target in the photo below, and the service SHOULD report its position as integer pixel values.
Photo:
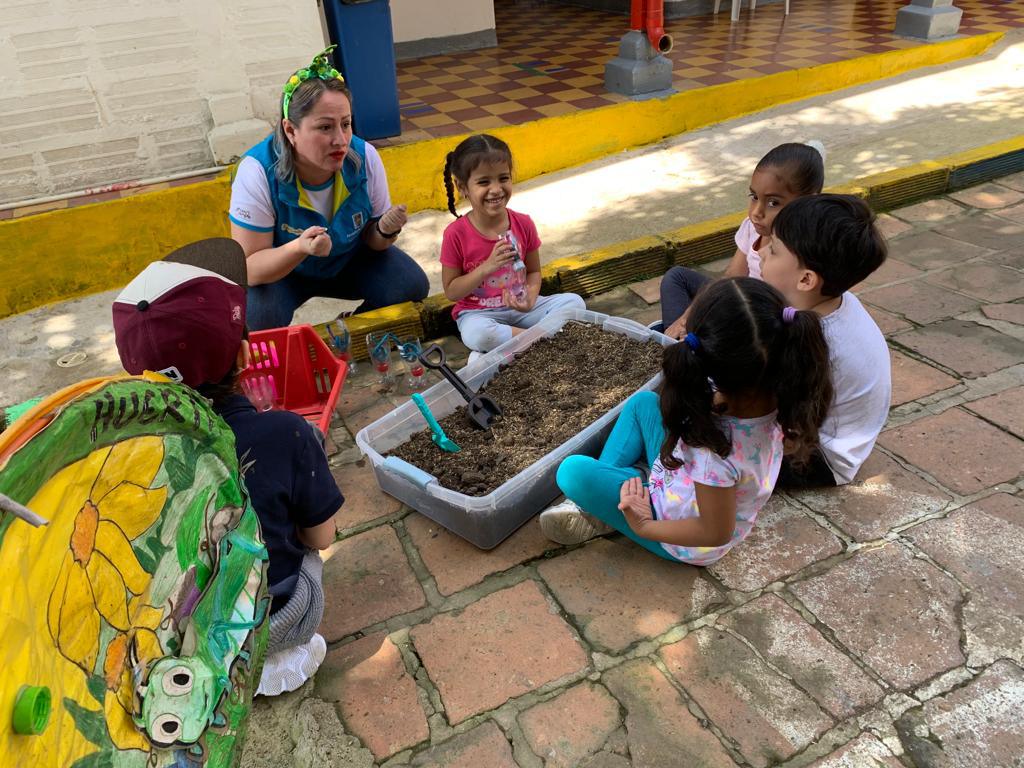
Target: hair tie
(319, 68)
(692, 341)
(789, 315)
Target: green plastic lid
(31, 710)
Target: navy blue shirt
(289, 483)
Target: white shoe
(474, 356)
(566, 523)
(288, 669)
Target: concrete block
(928, 22)
(31, 135)
(227, 108)
(229, 142)
(638, 68)
(42, 118)
(76, 152)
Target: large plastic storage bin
(487, 520)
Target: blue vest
(293, 212)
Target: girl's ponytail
(449, 187)
(687, 402)
(742, 340)
(803, 381)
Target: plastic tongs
(481, 410)
(441, 440)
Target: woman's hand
(635, 504)
(393, 220)
(315, 241)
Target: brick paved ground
(880, 624)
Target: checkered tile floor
(550, 59)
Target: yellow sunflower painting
(99, 590)
(120, 469)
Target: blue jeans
(594, 484)
(484, 329)
(679, 287)
(379, 278)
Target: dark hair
(744, 346)
(802, 164)
(834, 236)
(467, 157)
(303, 100)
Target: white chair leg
(787, 7)
(735, 15)
(752, 4)
(717, 4)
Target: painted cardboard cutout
(141, 605)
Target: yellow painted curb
(66, 253)
(887, 190)
(401, 319)
(980, 154)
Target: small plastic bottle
(340, 342)
(517, 275)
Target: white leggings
(484, 329)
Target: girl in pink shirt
(490, 258)
(787, 172)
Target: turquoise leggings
(594, 484)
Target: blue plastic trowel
(437, 434)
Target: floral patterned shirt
(752, 466)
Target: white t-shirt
(252, 208)
(747, 240)
(863, 387)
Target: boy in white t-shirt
(821, 247)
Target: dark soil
(555, 389)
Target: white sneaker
(288, 669)
(566, 523)
(474, 356)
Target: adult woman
(311, 209)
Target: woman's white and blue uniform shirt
(356, 195)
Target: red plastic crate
(302, 373)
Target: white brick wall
(93, 92)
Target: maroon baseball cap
(185, 316)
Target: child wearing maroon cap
(185, 317)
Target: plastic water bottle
(517, 276)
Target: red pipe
(649, 16)
(655, 13)
(636, 14)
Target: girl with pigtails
(490, 258)
(750, 374)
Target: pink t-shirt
(464, 248)
(748, 241)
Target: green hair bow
(320, 68)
